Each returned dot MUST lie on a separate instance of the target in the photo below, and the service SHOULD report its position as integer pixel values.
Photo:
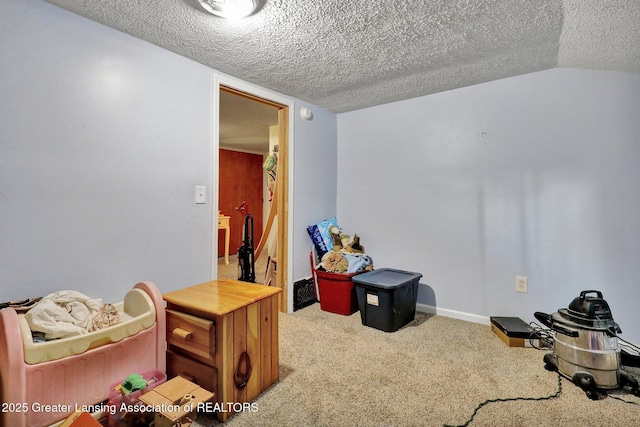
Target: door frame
(284, 183)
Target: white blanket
(63, 313)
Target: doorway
(251, 130)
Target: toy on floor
(180, 397)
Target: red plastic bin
(337, 292)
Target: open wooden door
(279, 204)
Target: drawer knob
(182, 333)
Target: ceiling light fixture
(232, 9)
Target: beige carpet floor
(435, 371)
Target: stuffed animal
(340, 240)
(333, 262)
(133, 383)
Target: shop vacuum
(586, 348)
(246, 262)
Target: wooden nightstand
(223, 336)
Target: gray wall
(533, 175)
(103, 139)
(315, 184)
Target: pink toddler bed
(42, 383)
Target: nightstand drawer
(192, 334)
(198, 373)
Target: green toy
(133, 383)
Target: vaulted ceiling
(346, 55)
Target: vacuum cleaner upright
(586, 348)
(246, 262)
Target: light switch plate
(201, 194)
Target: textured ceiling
(244, 124)
(345, 55)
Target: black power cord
(543, 336)
(546, 339)
(510, 399)
(622, 400)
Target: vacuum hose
(544, 318)
(546, 321)
(628, 359)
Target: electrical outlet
(521, 284)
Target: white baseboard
(425, 308)
(469, 317)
